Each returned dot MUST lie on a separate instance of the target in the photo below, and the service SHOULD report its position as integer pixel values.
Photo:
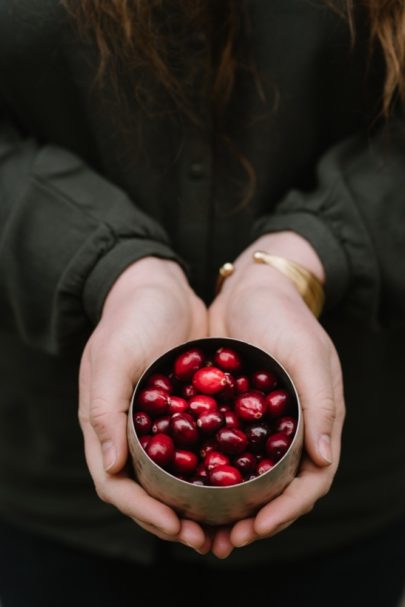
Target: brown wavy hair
(155, 35)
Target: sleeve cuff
(110, 267)
(317, 233)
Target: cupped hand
(261, 306)
(149, 310)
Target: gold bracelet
(307, 284)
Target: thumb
(319, 410)
(110, 395)
(319, 417)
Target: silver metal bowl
(217, 505)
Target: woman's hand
(149, 310)
(260, 305)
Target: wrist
(146, 272)
(289, 245)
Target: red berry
(214, 459)
(202, 472)
(224, 476)
(177, 405)
(228, 391)
(231, 419)
(265, 465)
(188, 391)
(209, 380)
(242, 384)
(198, 481)
(144, 440)
(210, 422)
(161, 425)
(231, 440)
(227, 359)
(287, 425)
(158, 380)
(202, 403)
(184, 462)
(187, 363)
(160, 449)
(250, 406)
(276, 445)
(142, 423)
(246, 462)
(183, 429)
(257, 435)
(207, 447)
(264, 380)
(277, 403)
(154, 401)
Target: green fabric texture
(86, 189)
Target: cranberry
(265, 465)
(287, 425)
(224, 476)
(202, 403)
(224, 408)
(144, 440)
(210, 422)
(185, 462)
(189, 391)
(201, 472)
(250, 406)
(177, 405)
(187, 363)
(153, 401)
(257, 435)
(264, 380)
(158, 380)
(277, 445)
(214, 459)
(227, 359)
(242, 384)
(142, 423)
(209, 380)
(231, 419)
(207, 447)
(183, 429)
(161, 425)
(231, 440)
(160, 449)
(229, 391)
(246, 462)
(277, 403)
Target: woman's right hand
(149, 310)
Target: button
(197, 170)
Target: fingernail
(324, 448)
(109, 455)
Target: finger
(243, 533)
(221, 543)
(191, 535)
(318, 405)
(126, 495)
(110, 394)
(297, 499)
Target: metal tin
(217, 505)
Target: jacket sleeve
(355, 220)
(66, 234)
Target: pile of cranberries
(212, 420)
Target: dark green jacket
(81, 198)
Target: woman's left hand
(261, 306)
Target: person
(142, 145)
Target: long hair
(153, 35)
